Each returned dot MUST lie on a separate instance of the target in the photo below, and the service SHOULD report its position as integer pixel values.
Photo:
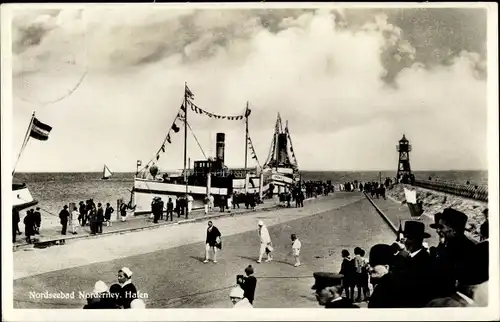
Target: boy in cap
(328, 287)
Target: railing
(468, 191)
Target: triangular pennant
(168, 139)
(175, 128)
(163, 148)
(183, 108)
(157, 157)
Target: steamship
(280, 171)
(208, 177)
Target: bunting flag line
(199, 110)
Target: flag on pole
(411, 200)
(39, 130)
(247, 112)
(139, 163)
(189, 94)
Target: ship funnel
(219, 147)
(282, 148)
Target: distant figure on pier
(37, 217)
(189, 205)
(100, 218)
(64, 216)
(170, 209)
(361, 268)
(92, 217)
(83, 214)
(123, 212)
(211, 204)
(29, 225)
(107, 214)
(15, 224)
(74, 220)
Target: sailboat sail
(106, 173)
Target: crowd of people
(409, 274)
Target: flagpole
(185, 135)
(246, 136)
(25, 141)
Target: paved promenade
(167, 262)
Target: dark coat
(249, 288)
(105, 302)
(64, 215)
(37, 217)
(29, 224)
(100, 214)
(341, 304)
(212, 236)
(108, 212)
(412, 287)
(459, 258)
(400, 261)
(347, 269)
(128, 293)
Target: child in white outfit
(296, 245)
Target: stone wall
(434, 201)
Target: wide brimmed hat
(454, 219)
(237, 292)
(381, 254)
(100, 287)
(415, 229)
(323, 279)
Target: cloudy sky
(350, 82)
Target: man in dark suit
(459, 255)
(328, 288)
(401, 257)
(413, 286)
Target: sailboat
(209, 176)
(106, 173)
(281, 169)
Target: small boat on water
(106, 173)
(209, 176)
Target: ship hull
(21, 197)
(146, 189)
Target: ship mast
(246, 136)
(185, 135)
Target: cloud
(350, 83)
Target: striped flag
(39, 130)
(189, 93)
(411, 200)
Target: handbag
(218, 242)
(269, 248)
